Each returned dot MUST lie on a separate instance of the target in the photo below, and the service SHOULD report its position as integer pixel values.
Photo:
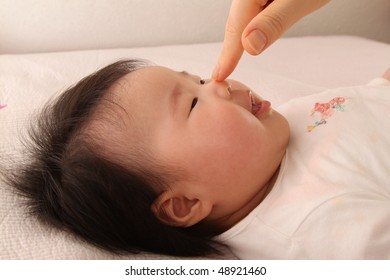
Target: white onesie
(331, 199)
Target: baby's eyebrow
(188, 75)
(176, 91)
(185, 73)
(175, 95)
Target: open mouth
(249, 100)
(259, 107)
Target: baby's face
(226, 142)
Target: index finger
(240, 14)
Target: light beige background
(60, 25)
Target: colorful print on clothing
(3, 106)
(326, 110)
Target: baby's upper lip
(243, 97)
(254, 105)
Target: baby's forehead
(150, 72)
(150, 80)
(154, 74)
(151, 86)
(129, 98)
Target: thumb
(270, 24)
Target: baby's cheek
(230, 130)
(242, 138)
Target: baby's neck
(227, 222)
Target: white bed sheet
(292, 67)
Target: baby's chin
(279, 127)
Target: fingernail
(215, 73)
(256, 40)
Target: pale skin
(253, 25)
(227, 156)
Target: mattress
(292, 67)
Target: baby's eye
(202, 81)
(193, 104)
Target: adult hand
(254, 25)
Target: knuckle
(231, 28)
(275, 22)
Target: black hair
(66, 183)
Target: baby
(139, 157)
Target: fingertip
(221, 71)
(219, 74)
(215, 74)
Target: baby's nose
(222, 89)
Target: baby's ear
(179, 210)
